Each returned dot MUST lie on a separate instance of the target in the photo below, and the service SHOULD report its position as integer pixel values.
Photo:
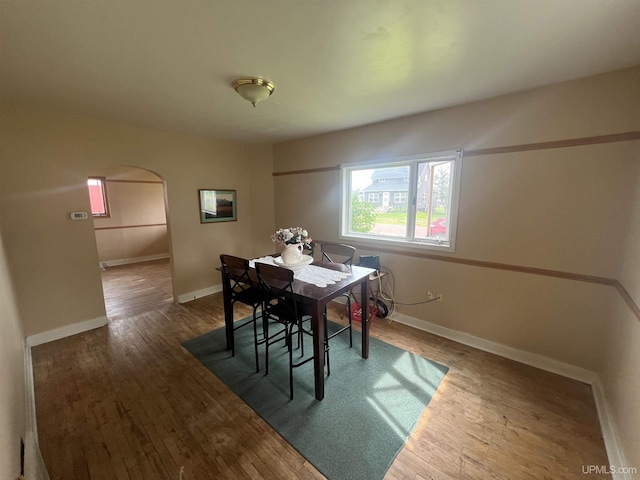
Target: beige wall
(565, 209)
(621, 360)
(570, 209)
(12, 378)
(138, 205)
(46, 159)
(262, 206)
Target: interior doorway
(133, 242)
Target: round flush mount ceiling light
(253, 89)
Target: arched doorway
(133, 242)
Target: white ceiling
(336, 64)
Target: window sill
(398, 243)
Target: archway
(133, 242)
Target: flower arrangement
(291, 236)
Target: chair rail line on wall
(627, 298)
(132, 226)
(309, 170)
(571, 142)
(610, 282)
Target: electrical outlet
(440, 296)
(430, 295)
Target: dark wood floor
(138, 288)
(126, 401)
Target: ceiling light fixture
(253, 89)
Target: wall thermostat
(79, 215)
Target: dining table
(316, 297)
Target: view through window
(98, 197)
(412, 200)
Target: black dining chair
(339, 253)
(280, 308)
(309, 248)
(244, 290)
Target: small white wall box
(78, 215)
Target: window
(424, 208)
(98, 197)
(400, 197)
(373, 197)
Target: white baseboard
(66, 331)
(616, 458)
(187, 297)
(532, 359)
(34, 467)
(609, 434)
(126, 261)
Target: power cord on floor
(387, 293)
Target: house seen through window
(98, 197)
(411, 200)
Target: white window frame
(409, 240)
(102, 184)
(400, 197)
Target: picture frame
(217, 205)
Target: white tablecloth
(318, 276)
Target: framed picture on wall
(217, 205)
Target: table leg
(317, 326)
(364, 291)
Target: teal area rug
(370, 406)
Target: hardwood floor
(126, 401)
(136, 288)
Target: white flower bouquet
(291, 236)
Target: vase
(292, 253)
